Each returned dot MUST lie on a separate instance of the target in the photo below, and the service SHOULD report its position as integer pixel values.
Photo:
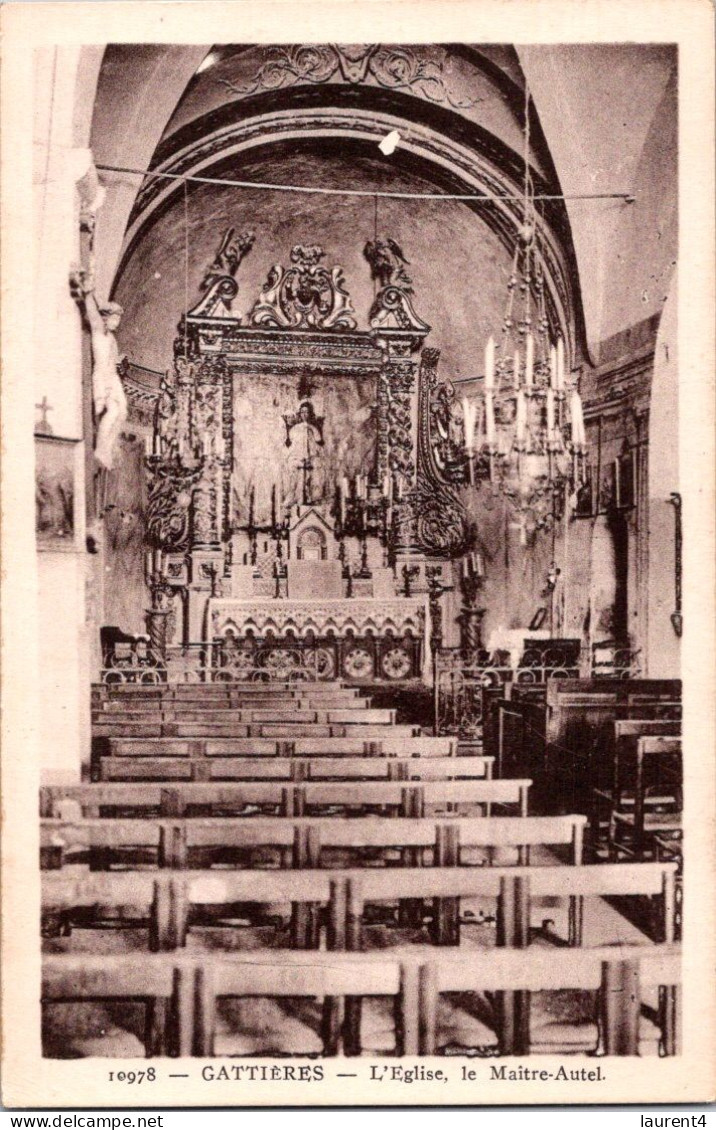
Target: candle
(273, 505)
(478, 567)
(560, 363)
(490, 363)
(550, 414)
(516, 369)
(489, 419)
(342, 501)
(552, 367)
(521, 422)
(578, 435)
(219, 500)
(529, 360)
(469, 412)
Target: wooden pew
(626, 734)
(382, 746)
(169, 901)
(658, 759)
(233, 701)
(138, 800)
(301, 840)
(296, 768)
(145, 978)
(563, 736)
(209, 718)
(232, 729)
(519, 890)
(219, 688)
(186, 991)
(621, 976)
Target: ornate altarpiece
(383, 526)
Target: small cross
(43, 427)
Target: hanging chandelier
(524, 429)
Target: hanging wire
(375, 237)
(474, 197)
(186, 261)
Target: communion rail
(355, 659)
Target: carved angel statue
(219, 287)
(110, 401)
(230, 254)
(387, 263)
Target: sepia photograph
(360, 561)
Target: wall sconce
(677, 619)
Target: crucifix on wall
(43, 427)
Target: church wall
(664, 644)
(125, 593)
(66, 581)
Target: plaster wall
(63, 577)
(664, 645)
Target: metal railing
(365, 659)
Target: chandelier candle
(529, 361)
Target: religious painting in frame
(584, 502)
(56, 527)
(626, 480)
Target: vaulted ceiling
(603, 120)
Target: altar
(360, 640)
(296, 527)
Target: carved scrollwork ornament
(442, 525)
(305, 295)
(219, 283)
(169, 505)
(399, 378)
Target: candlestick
(529, 360)
(490, 363)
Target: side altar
(295, 516)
